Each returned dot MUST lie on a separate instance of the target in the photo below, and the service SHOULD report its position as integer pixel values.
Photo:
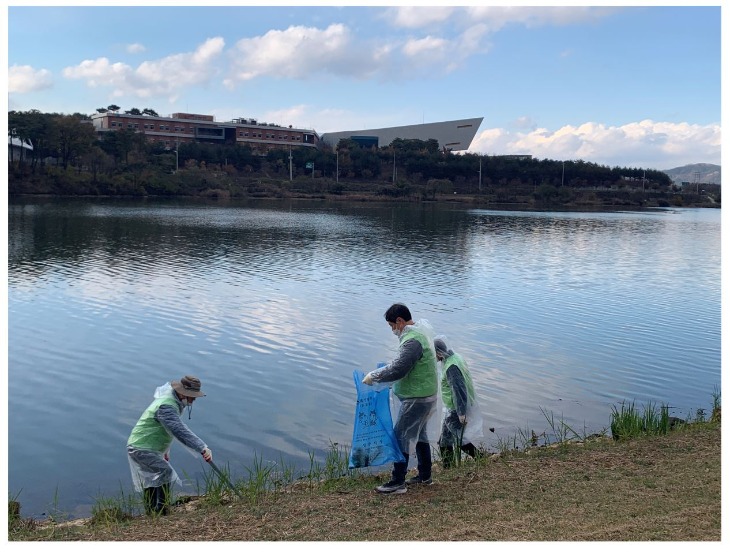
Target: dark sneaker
(418, 480)
(392, 487)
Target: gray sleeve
(408, 355)
(458, 388)
(168, 417)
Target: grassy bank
(652, 487)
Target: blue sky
(627, 86)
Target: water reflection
(273, 305)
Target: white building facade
(452, 135)
(18, 149)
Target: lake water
(274, 304)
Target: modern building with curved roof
(452, 135)
(180, 128)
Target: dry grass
(650, 488)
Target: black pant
(157, 500)
(423, 454)
(447, 453)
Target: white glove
(207, 455)
(462, 419)
(368, 379)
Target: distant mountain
(704, 173)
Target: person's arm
(408, 355)
(458, 389)
(168, 417)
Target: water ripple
(275, 308)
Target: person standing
(148, 446)
(415, 383)
(460, 405)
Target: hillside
(708, 173)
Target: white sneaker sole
(392, 492)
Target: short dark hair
(397, 310)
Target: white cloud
(657, 145)
(497, 17)
(160, 78)
(525, 122)
(299, 52)
(294, 115)
(416, 17)
(99, 72)
(493, 17)
(135, 48)
(308, 52)
(470, 41)
(23, 78)
(428, 46)
(470, 26)
(434, 55)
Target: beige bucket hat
(188, 386)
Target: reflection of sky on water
(274, 308)
(599, 307)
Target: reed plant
(214, 490)
(561, 430)
(630, 422)
(284, 476)
(715, 417)
(503, 444)
(13, 509)
(337, 462)
(315, 469)
(525, 437)
(112, 510)
(55, 514)
(18, 526)
(261, 479)
(453, 458)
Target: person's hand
(462, 419)
(166, 455)
(207, 455)
(368, 379)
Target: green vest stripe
(446, 392)
(422, 380)
(148, 433)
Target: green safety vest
(150, 434)
(422, 380)
(446, 391)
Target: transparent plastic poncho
(149, 468)
(416, 419)
(470, 433)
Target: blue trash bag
(373, 439)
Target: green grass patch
(630, 422)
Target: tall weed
(629, 422)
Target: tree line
(69, 156)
